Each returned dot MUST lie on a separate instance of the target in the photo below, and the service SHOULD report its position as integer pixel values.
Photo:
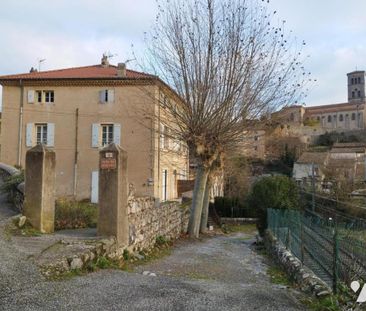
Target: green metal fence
(334, 248)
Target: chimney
(121, 70)
(104, 61)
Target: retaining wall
(303, 276)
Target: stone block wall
(148, 220)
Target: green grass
(27, 230)
(329, 303)
(278, 276)
(248, 228)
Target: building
(77, 111)
(344, 162)
(335, 117)
(310, 165)
(254, 144)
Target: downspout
(76, 151)
(159, 144)
(20, 127)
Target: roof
(313, 157)
(342, 163)
(87, 72)
(349, 148)
(334, 107)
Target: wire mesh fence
(331, 244)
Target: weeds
(248, 228)
(74, 215)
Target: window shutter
(29, 135)
(50, 134)
(110, 96)
(30, 96)
(95, 135)
(102, 96)
(117, 134)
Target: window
(39, 96)
(352, 81)
(106, 96)
(359, 93)
(41, 130)
(341, 117)
(359, 80)
(164, 137)
(318, 118)
(107, 134)
(353, 117)
(353, 94)
(329, 119)
(40, 133)
(255, 138)
(49, 96)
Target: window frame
(43, 133)
(107, 137)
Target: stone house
(308, 165)
(77, 111)
(347, 160)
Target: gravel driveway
(218, 273)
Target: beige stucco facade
(75, 115)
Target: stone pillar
(39, 197)
(113, 193)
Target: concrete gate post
(39, 201)
(113, 193)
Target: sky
(72, 33)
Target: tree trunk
(197, 201)
(206, 203)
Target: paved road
(220, 273)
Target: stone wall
(148, 220)
(303, 276)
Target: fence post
(302, 249)
(335, 255)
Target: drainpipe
(76, 151)
(20, 127)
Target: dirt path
(219, 273)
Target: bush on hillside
(278, 192)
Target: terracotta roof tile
(87, 72)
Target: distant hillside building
(343, 116)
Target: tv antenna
(40, 61)
(109, 55)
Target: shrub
(11, 183)
(279, 192)
(161, 240)
(74, 215)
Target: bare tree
(229, 65)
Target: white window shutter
(117, 134)
(50, 134)
(95, 135)
(110, 96)
(102, 96)
(95, 187)
(30, 96)
(29, 135)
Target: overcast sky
(76, 33)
